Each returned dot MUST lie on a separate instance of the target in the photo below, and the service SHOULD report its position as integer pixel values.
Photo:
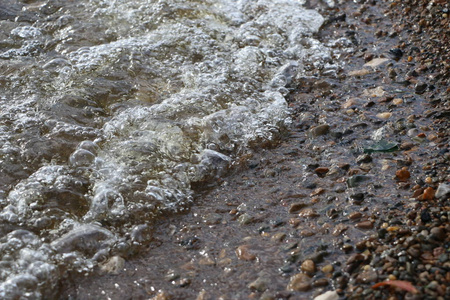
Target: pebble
(360, 72)
(114, 265)
(384, 115)
(308, 213)
(443, 191)
(397, 101)
(420, 88)
(308, 266)
(364, 158)
(327, 269)
(321, 170)
(375, 92)
(319, 130)
(317, 192)
(278, 236)
(376, 62)
(438, 233)
(245, 219)
(339, 229)
(391, 73)
(368, 275)
(243, 253)
(364, 225)
(259, 284)
(161, 296)
(428, 194)
(299, 283)
(295, 207)
(403, 174)
(320, 282)
(330, 295)
(355, 180)
(355, 215)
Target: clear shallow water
(110, 110)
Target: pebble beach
(352, 202)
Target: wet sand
(355, 192)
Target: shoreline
(332, 207)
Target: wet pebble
(243, 253)
(327, 269)
(330, 295)
(339, 229)
(319, 130)
(438, 233)
(364, 158)
(321, 171)
(443, 190)
(295, 207)
(353, 262)
(320, 282)
(355, 180)
(355, 215)
(420, 88)
(300, 283)
(245, 219)
(308, 266)
(308, 213)
(259, 284)
(384, 115)
(403, 174)
(364, 225)
(114, 265)
(428, 194)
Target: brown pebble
(308, 213)
(243, 253)
(161, 296)
(308, 266)
(368, 56)
(319, 130)
(428, 194)
(403, 174)
(307, 233)
(438, 233)
(317, 192)
(295, 207)
(384, 115)
(364, 225)
(340, 228)
(355, 215)
(294, 222)
(418, 192)
(299, 283)
(406, 146)
(320, 282)
(321, 170)
(328, 269)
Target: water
(111, 109)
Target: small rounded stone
(308, 266)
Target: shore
(352, 203)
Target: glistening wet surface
(335, 206)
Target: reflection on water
(110, 109)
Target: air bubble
(82, 158)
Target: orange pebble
(421, 135)
(428, 194)
(403, 174)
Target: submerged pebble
(300, 282)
